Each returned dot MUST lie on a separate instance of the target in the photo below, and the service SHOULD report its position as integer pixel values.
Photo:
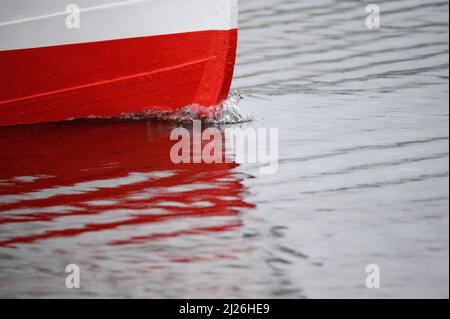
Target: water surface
(363, 174)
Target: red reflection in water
(84, 169)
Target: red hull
(110, 78)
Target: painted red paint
(108, 78)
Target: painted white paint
(32, 23)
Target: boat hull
(129, 72)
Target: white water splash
(227, 112)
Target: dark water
(363, 174)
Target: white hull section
(32, 24)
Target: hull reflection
(62, 181)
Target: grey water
(363, 178)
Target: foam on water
(227, 112)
